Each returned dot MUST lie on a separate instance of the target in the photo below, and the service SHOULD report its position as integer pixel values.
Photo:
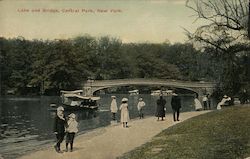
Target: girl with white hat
(124, 112)
(71, 130)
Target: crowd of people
(160, 109)
(206, 100)
(68, 126)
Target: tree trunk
(248, 29)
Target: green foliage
(50, 66)
(185, 58)
(225, 36)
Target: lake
(26, 124)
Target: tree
(184, 56)
(85, 48)
(4, 65)
(109, 58)
(226, 22)
(226, 31)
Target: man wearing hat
(113, 107)
(176, 105)
(59, 128)
(140, 106)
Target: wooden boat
(167, 92)
(155, 93)
(134, 92)
(164, 93)
(75, 100)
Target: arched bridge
(91, 86)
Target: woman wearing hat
(223, 101)
(197, 103)
(124, 112)
(113, 107)
(160, 109)
(59, 128)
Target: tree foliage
(225, 35)
(46, 67)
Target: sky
(154, 21)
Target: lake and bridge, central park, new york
(27, 122)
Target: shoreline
(112, 141)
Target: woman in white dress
(124, 112)
(197, 104)
(223, 101)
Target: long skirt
(124, 115)
(160, 112)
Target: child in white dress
(71, 130)
(124, 112)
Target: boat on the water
(134, 92)
(75, 100)
(155, 93)
(167, 92)
(163, 92)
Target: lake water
(26, 124)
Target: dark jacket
(160, 112)
(176, 102)
(59, 125)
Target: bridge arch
(92, 86)
(94, 90)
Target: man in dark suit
(176, 105)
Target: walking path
(112, 141)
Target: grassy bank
(221, 134)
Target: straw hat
(225, 96)
(124, 99)
(60, 108)
(72, 115)
(113, 96)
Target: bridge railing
(96, 83)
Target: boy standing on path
(140, 106)
(205, 101)
(113, 107)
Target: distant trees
(225, 36)
(147, 62)
(46, 67)
(16, 58)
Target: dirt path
(112, 141)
